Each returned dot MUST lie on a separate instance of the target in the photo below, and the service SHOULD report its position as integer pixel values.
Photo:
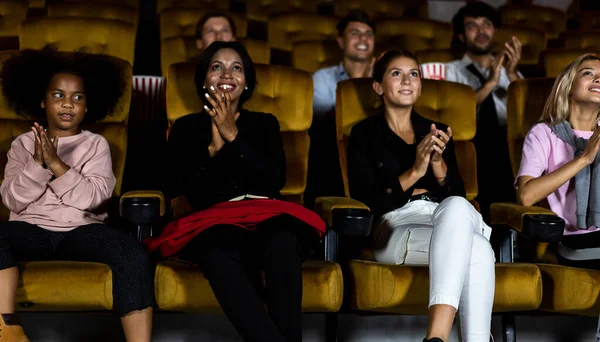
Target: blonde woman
(560, 159)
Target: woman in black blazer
(403, 167)
(229, 160)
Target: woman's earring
(203, 87)
(86, 110)
(245, 88)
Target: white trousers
(453, 239)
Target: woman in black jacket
(224, 160)
(404, 168)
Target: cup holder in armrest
(543, 228)
(352, 222)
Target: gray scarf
(587, 182)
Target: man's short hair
(210, 15)
(475, 10)
(354, 16)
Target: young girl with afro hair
(58, 179)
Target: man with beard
(356, 38)
(475, 26)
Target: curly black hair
(25, 78)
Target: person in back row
(489, 75)
(356, 38)
(58, 180)
(214, 26)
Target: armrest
(142, 207)
(538, 224)
(344, 215)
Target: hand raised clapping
(223, 114)
(430, 149)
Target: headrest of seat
(526, 101)
(94, 10)
(12, 13)
(377, 9)
(182, 22)
(533, 41)
(211, 5)
(555, 60)
(450, 103)
(282, 91)
(111, 37)
(120, 114)
(286, 29)
(316, 54)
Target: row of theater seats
(299, 36)
(370, 287)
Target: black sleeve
(379, 190)
(453, 184)
(189, 167)
(258, 154)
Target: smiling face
(65, 104)
(215, 29)
(401, 83)
(227, 73)
(479, 35)
(586, 85)
(358, 41)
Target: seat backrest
(209, 5)
(415, 34)
(589, 20)
(436, 55)
(12, 13)
(533, 42)
(94, 10)
(450, 103)
(375, 9)
(555, 60)
(113, 128)
(282, 91)
(130, 3)
(112, 37)
(550, 20)
(313, 55)
(183, 49)
(263, 10)
(581, 39)
(177, 22)
(287, 29)
(526, 100)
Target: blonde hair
(558, 105)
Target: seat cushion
(570, 290)
(64, 286)
(182, 287)
(404, 289)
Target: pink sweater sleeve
(25, 181)
(90, 188)
(536, 152)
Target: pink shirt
(69, 201)
(543, 153)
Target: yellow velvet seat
(183, 48)
(12, 14)
(415, 34)
(263, 10)
(313, 55)
(403, 289)
(112, 37)
(182, 287)
(379, 9)
(567, 290)
(436, 55)
(550, 20)
(93, 10)
(287, 29)
(130, 3)
(286, 93)
(581, 39)
(162, 5)
(378, 287)
(533, 42)
(557, 59)
(60, 285)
